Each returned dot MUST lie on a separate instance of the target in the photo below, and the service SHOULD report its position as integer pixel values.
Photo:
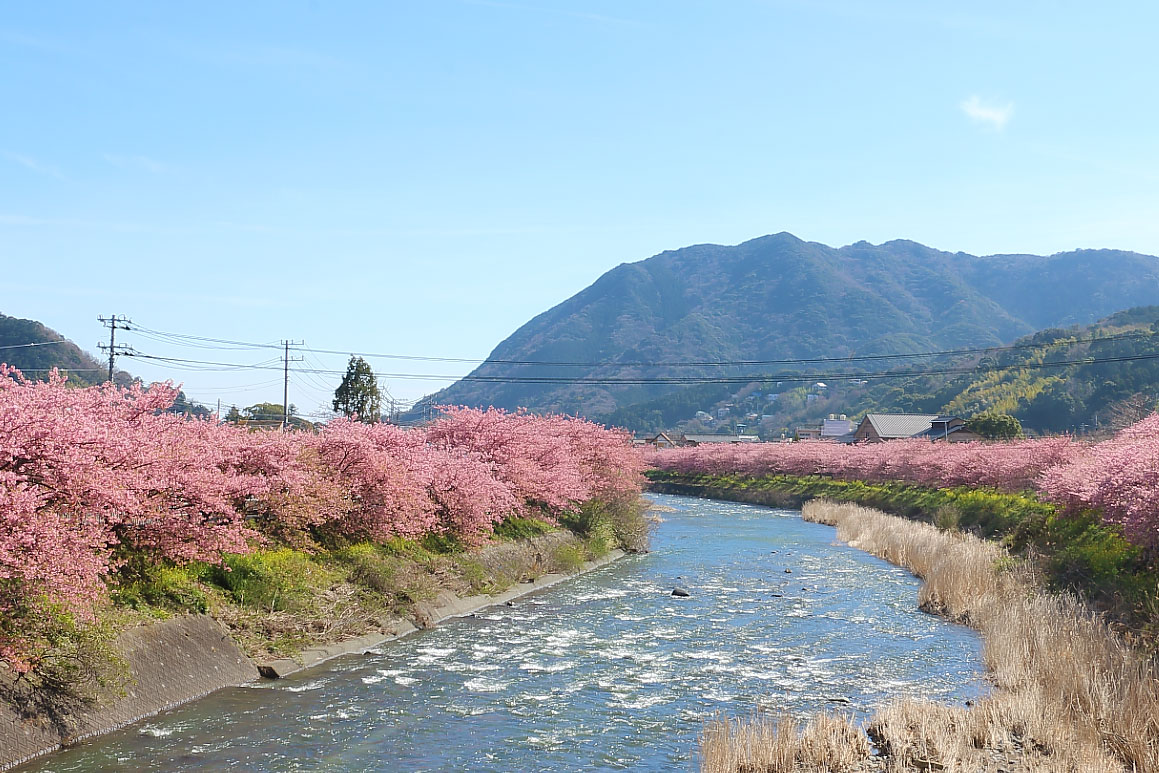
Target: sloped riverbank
(175, 661)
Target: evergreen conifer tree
(358, 394)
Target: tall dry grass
(1069, 694)
(765, 745)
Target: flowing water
(608, 671)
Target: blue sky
(422, 178)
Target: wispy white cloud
(136, 162)
(30, 163)
(994, 117)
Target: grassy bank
(280, 600)
(1073, 553)
(1069, 694)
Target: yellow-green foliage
(1000, 392)
(274, 580)
(569, 558)
(159, 589)
(515, 528)
(398, 572)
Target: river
(608, 671)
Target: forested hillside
(646, 331)
(35, 349)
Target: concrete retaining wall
(170, 662)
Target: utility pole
(286, 384)
(113, 323)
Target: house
(661, 440)
(876, 427)
(699, 440)
(951, 429)
(808, 433)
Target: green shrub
(160, 588)
(71, 660)
(273, 580)
(399, 572)
(517, 528)
(568, 558)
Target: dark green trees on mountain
(358, 395)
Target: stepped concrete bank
(175, 661)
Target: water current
(607, 671)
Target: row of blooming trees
(1119, 478)
(91, 477)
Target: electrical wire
(645, 380)
(38, 343)
(695, 363)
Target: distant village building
(699, 440)
(661, 440)
(878, 427)
(808, 433)
(952, 429)
(836, 426)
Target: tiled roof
(722, 438)
(898, 425)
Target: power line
(737, 379)
(675, 363)
(39, 343)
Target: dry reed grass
(765, 745)
(1069, 695)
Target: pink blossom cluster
(1011, 466)
(1118, 477)
(90, 475)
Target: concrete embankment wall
(179, 660)
(170, 662)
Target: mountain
(35, 349)
(778, 297)
(1112, 379)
